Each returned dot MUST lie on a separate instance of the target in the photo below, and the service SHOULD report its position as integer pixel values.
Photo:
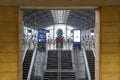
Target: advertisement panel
(41, 35)
(76, 36)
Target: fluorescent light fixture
(60, 16)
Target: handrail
(59, 61)
(31, 64)
(76, 53)
(86, 64)
(25, 51)
(93, 50)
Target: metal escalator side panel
(26, 63)
(91, 63)
(86, 64)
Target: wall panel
(110, 43)
(8, 43)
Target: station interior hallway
(45, 66)
(47, 60)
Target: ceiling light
(60, 16)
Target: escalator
(26, 63)
(91, 63)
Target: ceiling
(37, 18)
(82, 19)
(76, 18)
(59, 2)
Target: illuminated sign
(76, 36)
(42, 35)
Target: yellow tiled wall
(110, 43)
(8, 43)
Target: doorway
(95, 30)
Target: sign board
(76, 36)
(41, 35)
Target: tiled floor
(79, 65)
(39, 65)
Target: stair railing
(86, 64)
(77, 67)
(59, 61)
(32, 63)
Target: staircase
(66, 60)
(66, 72)
(91, 63)
(26, 63)
(52, 61)
(64, 76)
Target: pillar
(110, 43)
(9, 43)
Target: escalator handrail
(93, 50)
(25, 51)
(32, 63)
(86, 64)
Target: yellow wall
(8, 43)
(110, 43)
